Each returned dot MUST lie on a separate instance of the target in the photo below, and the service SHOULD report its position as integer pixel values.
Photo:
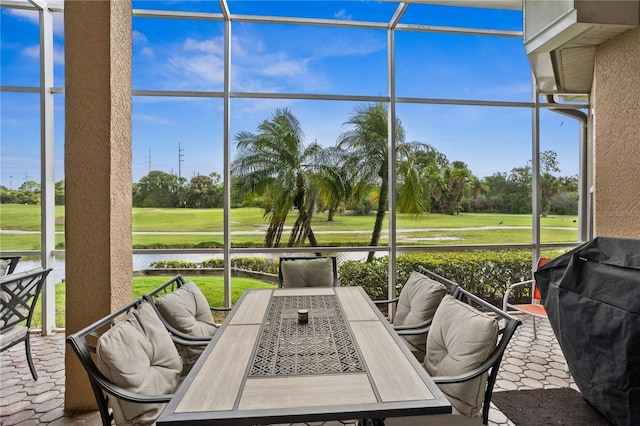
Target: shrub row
(485, 273)
(260, 264)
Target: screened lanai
(168, 86)
(395, 53)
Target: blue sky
(187, 55)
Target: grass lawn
(248, 227)
(211, 287)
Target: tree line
(275, 167)
(276, 170)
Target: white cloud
(34, 52)
(138, 37)
(148, 118)
(214, 46)
(284, 68)
(365, 44)
(140, 43)
(27, 15)
(342, 14)
(201, 68)
(58, 24)
(148, 52)
(33, 17)
(58, 55)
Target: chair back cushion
(461, 338)
(537, 297)
(187, 310)
(315, 272)
(4, 267)
(138, 354)
(12, 334)
(417, 303)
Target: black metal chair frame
(334, 265)
(166, 288)
(13, 262)
(23, 295)
(508, 325)
(84, 344)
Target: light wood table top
(262, 366)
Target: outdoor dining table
(265, 366)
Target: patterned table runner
(322, 346)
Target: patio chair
(464, 349)
(18, 296)
(185, 313)
(8, 264)
(413, 309)
(307, 272)
(131, 362)
(535, 308)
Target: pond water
(144, 261)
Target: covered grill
(592, 297)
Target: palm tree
(368, 156)
(413, 190)
(478, 187)
(275, 164)
(417, 178)
(333, 185)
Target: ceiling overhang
(561, 37)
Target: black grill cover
(592, 297)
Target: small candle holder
(303, 316)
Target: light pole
(180, 160)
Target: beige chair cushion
(4, 267)
(11, 334)
(315, 272)
(138, 354)
(460, 339)
(187, 310)
(418, 302)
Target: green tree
(368, 156)
(508, 193)
(417, 178)
(30, 185)
(549, 184)
(477, 187)
(276, 164)
(59, 193)
(159, 189)
(333, 182)
(204, 191)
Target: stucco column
(616, 119)
(98, 242)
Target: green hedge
(485, 273)
(260, 264)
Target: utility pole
(10, 183)
(180, 160)
(149, 161)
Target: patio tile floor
(528, 364)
